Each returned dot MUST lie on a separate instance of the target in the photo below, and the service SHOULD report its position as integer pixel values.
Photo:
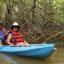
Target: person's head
(15, 26)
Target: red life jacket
(16, 38)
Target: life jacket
(16, 37)
(2, 36)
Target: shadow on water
(56, 58)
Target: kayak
(30, 50)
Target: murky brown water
(56, 58)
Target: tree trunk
(8, 14)
(33, 11)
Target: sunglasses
(15, 27)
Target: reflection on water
(56, 58)
(7, 59)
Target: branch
(55, 35)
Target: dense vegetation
(40, 20)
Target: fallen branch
(55, 35)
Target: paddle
(4, 34)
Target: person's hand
(11, 44)
(21, 44)
(25, 42)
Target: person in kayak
(2, 35)
(15, 37)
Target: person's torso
(16, 37)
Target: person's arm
(0, 42)
(8, 40)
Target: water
(56, 58)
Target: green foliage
(59, 9)
(58, 6)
